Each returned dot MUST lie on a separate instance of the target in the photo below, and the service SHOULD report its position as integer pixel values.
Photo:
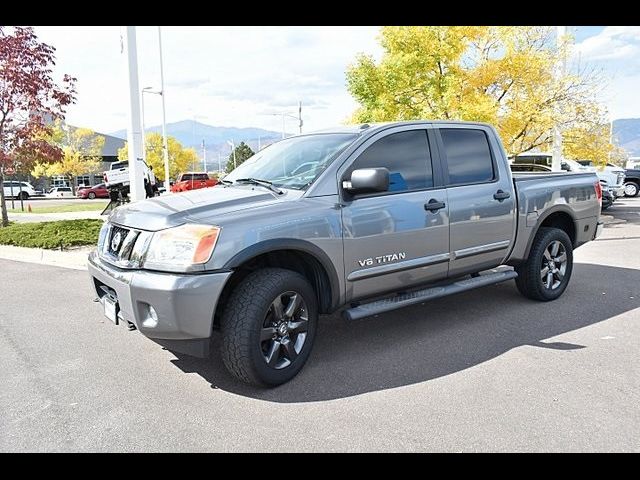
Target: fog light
(151, 319)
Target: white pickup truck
(117, 177)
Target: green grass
(51, 235)
(75, 207)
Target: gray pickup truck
(363, 219)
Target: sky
(242, 76)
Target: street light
(233, 150)
(290, 115)
(144, 140)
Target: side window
(406, 155)
(468, 156)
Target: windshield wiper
(226, 182)
(264, 183)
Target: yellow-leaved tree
(500, 75)
(180, 159)
(81, 149)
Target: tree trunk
(72, 185)
(3, 206)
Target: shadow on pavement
(422, 343)
(623, 211)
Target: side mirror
(368, 180)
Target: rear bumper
(184, 304)
(599, 229)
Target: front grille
(116, 240)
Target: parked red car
(97, 191)
(193, 181)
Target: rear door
(391, 240)
(482, 212)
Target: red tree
(29, 101)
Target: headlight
(181, 247)
(102, 236)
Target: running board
(426, 294)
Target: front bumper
(184, 303)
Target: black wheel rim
(284, 330)
(554, 265)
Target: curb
(76, 259)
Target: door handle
(501, 195)
(433, 205)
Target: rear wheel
(23, 196)
(546, 273)
(91, 195)
(268, 327)
(631, 189)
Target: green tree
(242, 151)
(500, 75)
(82, 153)
(180, 159)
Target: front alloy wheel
(630, 189)
(284, 331)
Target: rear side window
(468, 156)
(406, 155)
(202, 176)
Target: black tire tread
(528, 273)
(245, 304)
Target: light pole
(233, 150)
(165, 145)
(133, 128)
(144, 140)
(287, 114)
(556, 158)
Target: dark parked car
(97, 191)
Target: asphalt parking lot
(486, 370)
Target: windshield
(295, 162)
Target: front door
(482, 212)
(399, 238)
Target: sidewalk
(51, 217)
(75, 259)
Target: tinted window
(468, 156)
(405, 154)
(202, 176)
(185, 177)
(117, 165)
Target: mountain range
(626, 133)
(191, 133)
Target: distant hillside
(626, 133)
(191, 133)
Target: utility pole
(300, 115)
(165, 145)
(134, 135)
(283, 115)
(556, 159)
(219, 164)
(204, 156)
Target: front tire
(91, 195)
(546, 273)
(23, 196)
(268, 327)
(631, 189)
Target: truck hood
(196, 205)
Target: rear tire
(268, 327)
(23, 196)
(91, 195)
(546, 273)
